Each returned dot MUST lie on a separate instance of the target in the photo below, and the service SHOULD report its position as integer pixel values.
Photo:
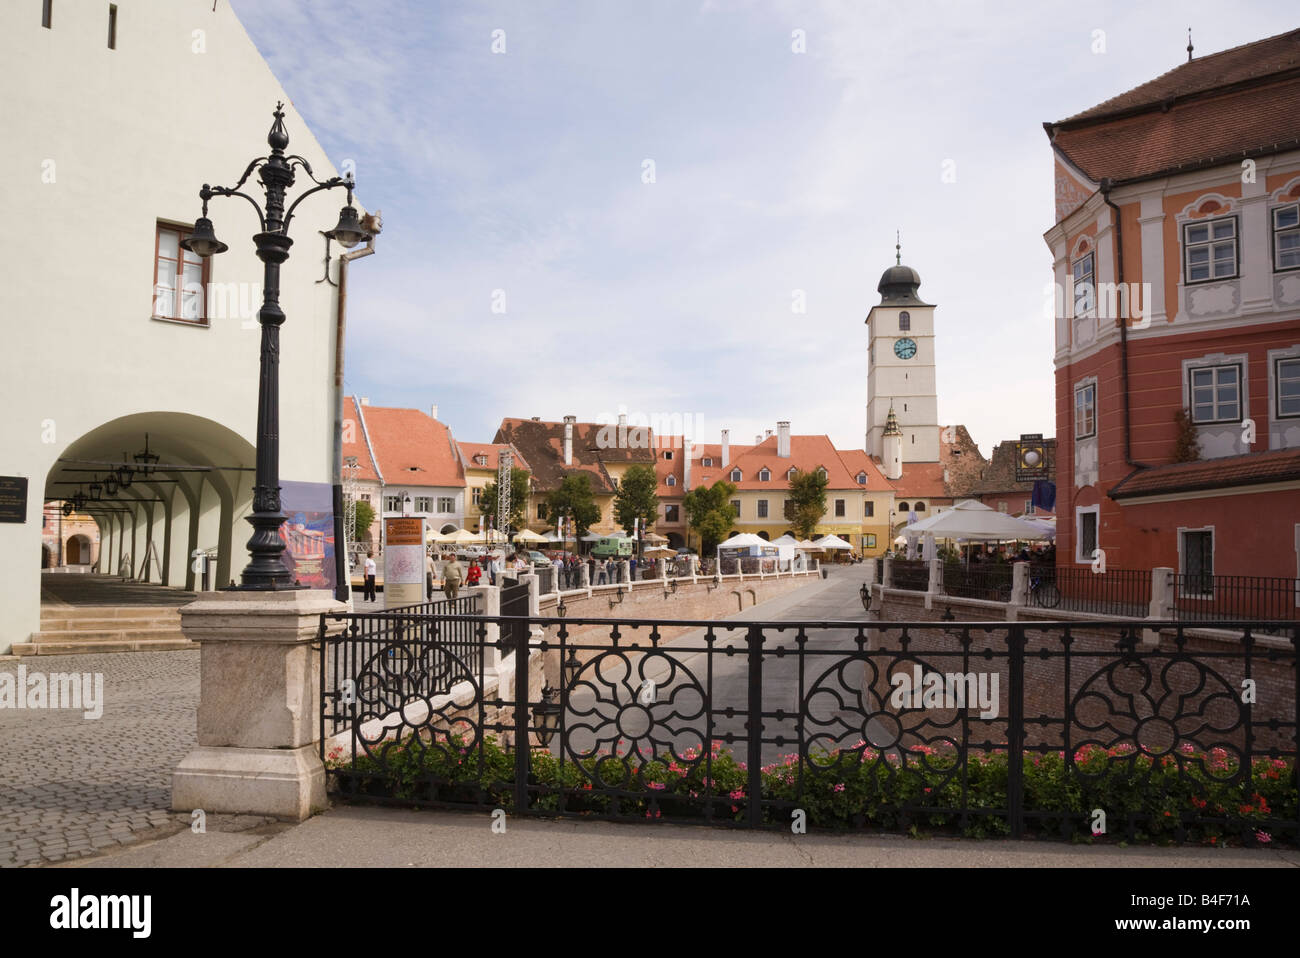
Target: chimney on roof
(622, 419)
(726, 447)
(686, 464)
(568, 439)
(758, 440)
(433, 411)
(365, 400)
(783, 439)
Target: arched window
(904, 321)
(821, 471)
(919, 507)
(904, 507)
(790, 475)
(672, 481)
(764, 475)
(735, 475)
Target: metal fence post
(522, 696)
(1016, 730)
(754, 733)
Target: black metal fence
(990, 581)
(911, 574)
(978, 729)
(1212, 598)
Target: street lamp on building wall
(266, 569)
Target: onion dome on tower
(899, 284)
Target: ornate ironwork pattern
(994, 728)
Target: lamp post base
(266, 571)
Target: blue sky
(775, 171)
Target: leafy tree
(519, 489)
(807, 502)
(1187, 446)
(574, 498)
(636, 497)
(365, 517)
(709, 513)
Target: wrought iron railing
(1031, 729)
(989, 581)
(1202, 598)
(1115, 592)
(911, 574)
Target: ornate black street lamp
(266, 569)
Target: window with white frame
(668, 454)
(392, 503)
(446, 504)
(1085, 411)
(707, 461)
(862, 478)
(477, 494)
(1196, 557)
(670, 481)
(1085, 289)
(480, 460)
(789, 475)
(424, 503)
(1215, 393)
(1210, 250)
(764, 475)
(1286, 237)
(180, 278)
(1287, 376)
(1029, 507)
(735, 475)
(821, 470)
(1085, 532)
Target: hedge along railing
(753, 723)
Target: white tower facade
(901, 368)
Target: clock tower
(900, 367)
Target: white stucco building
(110, 130)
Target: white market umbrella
(660, 551)
(974, 520)
(528, 535)
(654, 538)
(832, 542)
(459, 537)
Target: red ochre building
(1189, 183)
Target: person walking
(451, 578)
(428, 576)
(370, 568)
(474, 574)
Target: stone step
(109, 611)
(84, 648)
(59, 623)
(106, 635)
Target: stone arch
(77, 550)
(676, 541)
(47, 556)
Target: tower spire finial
(898, 247)
(1189, 44)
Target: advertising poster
(403, 562)
(308, 532)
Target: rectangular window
(1084, 288)
(1029, 507)
(1085, 411)
(47, 13)
(1216, 394)
(446, 504)
(1002, 506)
(1286, 237)
(180, 279)
(735, 504)
(1197, 554)
(1288, 387)
(839, 508)
(1210, 250)
(671, 514)
(541, 510)
(1085, 520)
(762, 508)
(477, 494)
(365, 498)
(871, 540)
(869, 509)
(112, 26)
(423, 503)
(392, 503)
(668, 455)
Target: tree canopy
(574, 498)
(636, 498)
(519, 489)
(709, 512)
(807, 502)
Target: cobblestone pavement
(73, 787)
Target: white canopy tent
(831, 542)
(973, 520)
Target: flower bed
(862, 788)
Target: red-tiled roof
(1208, 72)
(593, 444)
(856, 461)
(806, 454)
(412, 448)
(920, 480)
(1215, 109)
(354, 441)
(1276, 465)
(492, 450)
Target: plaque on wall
(13, 498)
(1031, 458)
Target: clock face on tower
(904, 348)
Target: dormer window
(821, 471)
(707, 461)
(862, 478)
(789, 476)
(764, 475)
(480, 460)
(670, 481)
(668, 455)
(735, 475)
